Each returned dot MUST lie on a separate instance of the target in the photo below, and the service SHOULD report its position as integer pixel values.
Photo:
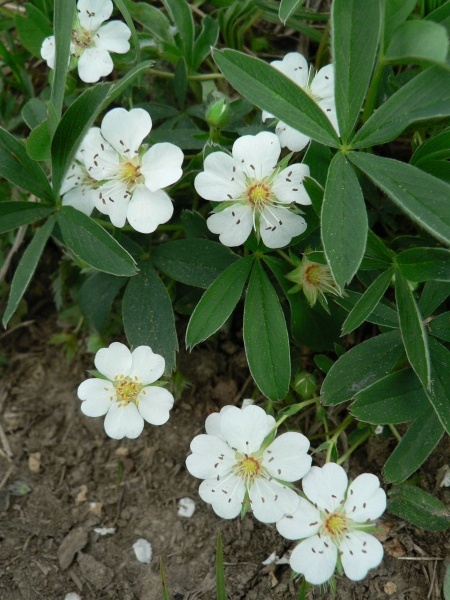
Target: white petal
(278, 225)
(225, 496)
(161, 166)
(154, 404)
(211, 457)
(82, 198)
(212, 425)
(291, 138)
(244, 429)
(148, 209)
(326, 486)
(123, 421)
(315, 558)
(146, 366)
(113, 199)
(99, 157)
(270, 500)
(97, 395)
(257, 154)
(234, 224)
(266, 115)
(288, 185)
(113, 361)
(360, 552)
(92, 13)
(74, 177)
(304, 522)
(294, 66)
(113, 37)
(48, 51)
(329, 108)
(222, 179)
(323, 83)
(286, 459)
(125, 130)
(93, 64)
(365, 499)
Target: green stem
(300, 406)
(350, 451)
(167, 75)
(395, 433)
(332, 441)
(372, 94)
(287, 258)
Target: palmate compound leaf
(16, 214)
(424, 264)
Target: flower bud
(314, 279)
(305, 385)
(218, 110)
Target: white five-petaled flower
(128, 176)
(238, 465)
(91, 42)
(334, 522)
(258, 194)
(319, 87)
(78, 188)
(126, 396)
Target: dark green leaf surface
(287, 7)
(63, 23)
(361, 366)
(381, 315)
(218, 302)
(419, 508)
(344, 221)
(92, 244)
(34, 112)
(39, 142)
(152, 19)
(424, 264)
(433, 295)
(395, 13)
(440, 326)
(418, 42)
(148, 317)
(182, 19)
(33, 29)
(96, 296)
(265, 337)
(16, 214)
(439, 393)
(27, 267)
(205, 41)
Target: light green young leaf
(418, 42)
(34, 112)
(424, 264)
(356, 26)
(343, 220)
(15, 214)
(419, 508)
(266, 337)
(287, 8)
(39, 142)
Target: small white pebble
(143, 550)
(247, 402)
(186, 507)
(72, 596)
(105, 530)
(379, 429)
(270, 559)
(445, 474)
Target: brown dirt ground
(80, 479)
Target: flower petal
(278, 225)
(326, 486)
(74, 177)
(112, 199)
(82, 198)
(92, 13)
(125, 130)
(244, 429)
(291, 138)
(148, 209)
(304, 522)
(222, 179)
(257, 154)
(93, 64)
(360, 552)
(286, 459)
(97, 396)
(99, 157)
(212, 423)
(48, 51)
(288, 185)
(161, 166)
(365, 499)
(146, 366)
(113, 37)
(315, 558)
(225, 496)
(154, 404)
(329, 108)
(211, 457)
(123, 421)
(234, 224)
(113, 361)
(270, 500)
(294, 66)
(322, 85)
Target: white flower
(258, 194)
(78, 188)
(125, 396)
(91, 41)
(334, 522)
(239, 465)
(319, 87)
(129, 176)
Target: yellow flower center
(130, 172)
(258, 194)
(314, 273)
(82, 38)
(335, 524)
(127, 390)
(249, 467)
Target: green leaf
(439, 393)
(180, 81)
(318, 158)
(424, 97)
(433, 295)
(265, 337)
(382, 314)
(287, 8)
(33, 29)
(123, 7)
(182, 18)
(416, 445)
(96, 296)
(395, 13)
(152, 19)
(355, 25)
(423, 264)
(195, 262)
(418, 42)
(16, 214)
(368, 301)
(344, 221)
(413, 332)
(218, 302)
(39, 142)
(34, 112)
(221, 592)
(446, 585)
(416, 506)
(27, 267)
(433, 155)
(63, 23)
(422, 197)
(90, 243)
(205, 41)
(397, 398)
(148, 317)
(361, 366)
(375, 248)
(440, 326)
(270, 90)
(18, 168)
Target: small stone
(72, 596)
(186, 507)
(105, 530)
(96, 508)
(34, 462)
(390, 588)
(74, 541)
(82, 495)
(143, 550)
(94, 571)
